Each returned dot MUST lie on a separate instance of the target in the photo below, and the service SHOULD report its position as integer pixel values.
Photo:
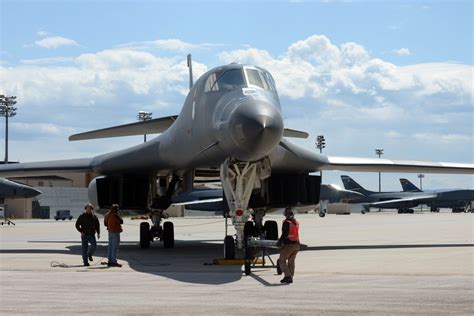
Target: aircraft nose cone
(256, 128)
(31, 192)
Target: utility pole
(144, 116)
(379, 152)
(7, 110)
(320, 144)
(421, 176)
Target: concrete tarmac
(377, 263)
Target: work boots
(287, 280)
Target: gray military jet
(231, 122)
(410, 197)
(14, 190)
(458, 200)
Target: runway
(377, 263)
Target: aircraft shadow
(189, 261)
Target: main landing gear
(239, 179)
(406, 211)
(165, 233)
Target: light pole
(421, 176)
(320, 144)
(379, 152)
(7, 109)
(144, 116)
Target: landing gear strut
(239, 179)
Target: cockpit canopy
(230, 79)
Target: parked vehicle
(63, 214)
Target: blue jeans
(86, 250)
(112, 250)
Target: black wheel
(168, 235)
(249, 230)
(145, 235)
(399, 212)
(229, 248)
(411, 211)
(271, 230)
(322, 214)
(248, 268)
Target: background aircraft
(212, 199)
(459, 200)
(231, 122)
(403, 201)
(14, 190)
(411, 196)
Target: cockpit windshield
(231, 79)
(225, 80)
(259, 78)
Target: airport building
(59, 192)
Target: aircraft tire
(322, 214)
(271, 230)
(145, 235)
(411, 211)
(249, 229)
(229, 248)
(168, 235)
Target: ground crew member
(88, 224)
(290, 243)
(113, 221)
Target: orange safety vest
(293, 235)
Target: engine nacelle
(130, 192)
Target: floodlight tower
(7, 110)
(144, 116)
(320, 144)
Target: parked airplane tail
(350, 184)
(408, 186)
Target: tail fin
(408, 186)
(350, 184)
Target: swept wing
(419, 198)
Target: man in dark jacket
(88, 224)
(290, 243)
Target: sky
(395, 75)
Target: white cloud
(445, 138)
(54, 42)
(42, 33)
(41, 128)
(402, 52)
(168, 44)
(47, 61)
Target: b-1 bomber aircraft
(410, 197)
(231, 122)
(458, 200)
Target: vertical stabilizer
(408, 186)
(350, 184)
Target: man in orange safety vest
(290, 245)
